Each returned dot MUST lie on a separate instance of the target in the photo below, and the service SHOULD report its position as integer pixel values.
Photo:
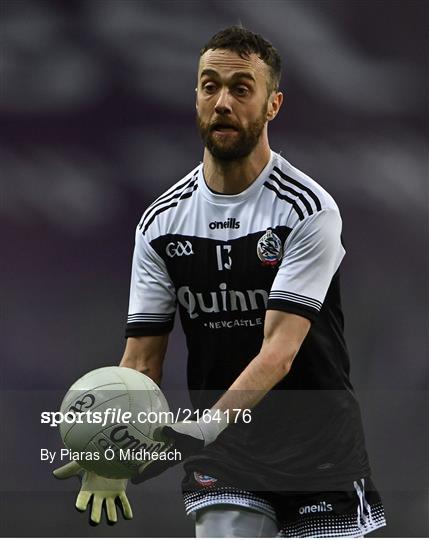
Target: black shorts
(352, 513)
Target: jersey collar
(243, 195)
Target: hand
(187, 438)
(98, 490)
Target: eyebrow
(238, 75)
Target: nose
(223, 105)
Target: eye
(209, 88)
(241, 90)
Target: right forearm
(146, 354)
(141, 364)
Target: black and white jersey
(224, 260)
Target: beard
(237, 146)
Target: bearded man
(249, 249)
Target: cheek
(200, 103)
(204, 109)
(253, 114)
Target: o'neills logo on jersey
(230, 223)
(269, 249)
(313, 508)
(221, 300)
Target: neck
(232, 177)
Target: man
(249, 248)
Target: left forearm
(283, 336)
(259, 377)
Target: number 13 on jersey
(224, 261)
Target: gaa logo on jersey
(205, 480)
(179, 249)
(269, 248)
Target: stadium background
(97, 118)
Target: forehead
(227, 63)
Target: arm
(283, 336)
(146, 354)
(313, 253)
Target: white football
(112, 447)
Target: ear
(274, 103)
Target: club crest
(205, 480)
(269, 249)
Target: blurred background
(97, 119)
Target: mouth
(223, 128)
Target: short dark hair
(244, 43)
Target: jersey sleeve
(152, 304)
(312, 255)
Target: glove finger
(67, 470)
(97, 507)
(112, 515)
(126, 507)
(82, 500)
